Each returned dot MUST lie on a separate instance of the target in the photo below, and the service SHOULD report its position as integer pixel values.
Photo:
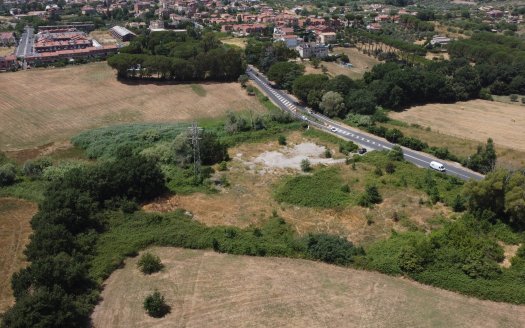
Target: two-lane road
(286, 103)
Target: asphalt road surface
(286, 103)
(25, 46)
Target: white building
(327, 37)
(291, 41)
(309, 50)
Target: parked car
(361, 151)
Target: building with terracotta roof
(7, 39)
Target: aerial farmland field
(42, 106)
(208, 289)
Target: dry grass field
(361, 64)
(249, 200)
(103, 37)
(208, 289)
(239, 42)
(463, 125)
(14, 235)
(47, 105)
(4, 51)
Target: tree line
(169, 56)
(500, 61)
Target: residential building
(327, 37)
(7, 39)
(310, 50)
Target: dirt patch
(475, 120)
(207, 289)
(4, 51)
(291, 157)
(47, 105)
(103, 37)
(15, 229)
(509, 251)
(238, 42)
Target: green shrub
(155, 305)
(7, 174)
(35, 168)
(223, 166)
(282, 140)
(321, 189)
(149, 263)
(305, 165)
(346, 147)
(330, 249)
(370, 197)
(327, 153)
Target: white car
(437, 166)
(304, 118)
(334, 129)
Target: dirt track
(207, 289)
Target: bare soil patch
(15, 229)
(47, 105)
(103, 37)
(239, 42)
(207, 289)
(249, 201)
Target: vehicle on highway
(333, 129)
(304, 118)
(361, 151)
(437, 166)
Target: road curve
(286, 103)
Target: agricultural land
(207, 289)
(42, 106)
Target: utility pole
(195, 132)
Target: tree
(7, 174)
(155, 305)
(396, 153)
(341, 84)
(34, 168)
(330, 249)
(306, 83)
(285, 73)
(305, 165)
(243, 79)
(370, 196)
(361, 102)
(332, 104)
(282, 140)
(149, 263)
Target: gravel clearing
(291, 157)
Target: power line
(195, 132)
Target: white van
(437, 166)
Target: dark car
(361, 151)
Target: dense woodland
(178, 57)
